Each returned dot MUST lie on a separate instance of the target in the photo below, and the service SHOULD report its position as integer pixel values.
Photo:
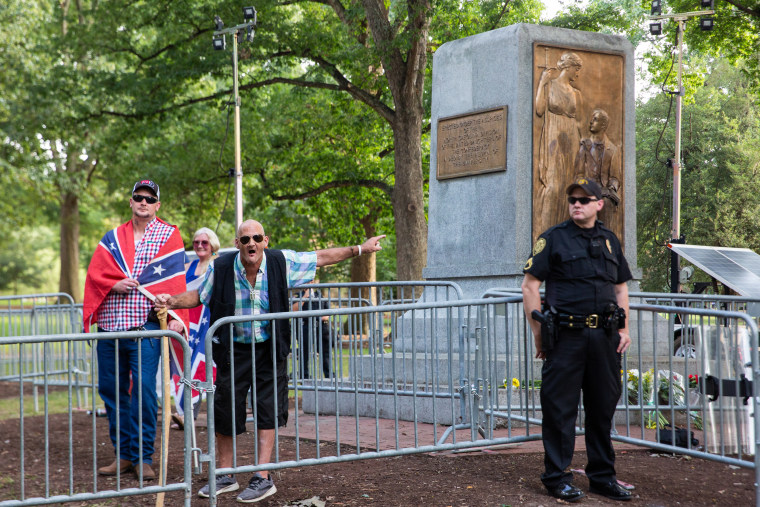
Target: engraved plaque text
(472, 143)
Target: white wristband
(360, 250)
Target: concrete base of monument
(370, 389)
(500, 329)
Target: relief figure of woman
(559, 103)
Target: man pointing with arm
(254, 281)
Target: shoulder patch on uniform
(539, 246)
(528, 264)
(609, 246)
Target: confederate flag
(200, 317)
(113, 260)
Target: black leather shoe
(611, 490)
(566, 492)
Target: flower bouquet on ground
(669, 388)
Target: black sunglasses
(258, 238)
(582, 200)
(147, 198)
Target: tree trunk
(364, 269)
(69, 249)
(408, 199)
(405, 72)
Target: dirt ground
(490, 477)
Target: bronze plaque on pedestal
(472, 143)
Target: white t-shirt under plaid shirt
(301, 268)
(120, 312)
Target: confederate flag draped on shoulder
(113, 261)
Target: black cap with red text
(149, 184)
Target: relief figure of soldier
(600, 159)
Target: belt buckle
(592, 321)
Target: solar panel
(737, 268)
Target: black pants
(582, 359)
(315, 339)
(254, 370)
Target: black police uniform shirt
(580, 267)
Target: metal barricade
(700, 402)
(352, 334)
(707, 392)
(352, 330)
(468, 365)
(62, 440)
(431, 373)
(43, 314)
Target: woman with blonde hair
(205, 245)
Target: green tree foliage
(720, 184)
(605, 16)
(335, 111)
(21, 269)
(735, 37)
(362, 66)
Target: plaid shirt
(301, 269)
(120, 312)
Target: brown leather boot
(147, 472)
(124, 465)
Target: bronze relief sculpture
(577, 131)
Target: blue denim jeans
(143, 375)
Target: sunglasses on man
(258, 238)
(582, 200)
(147, 198)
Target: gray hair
(213, 239)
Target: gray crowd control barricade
(43, 314)
(63, 440)
(375, 400)
(319, 343)
(346, 331)
(688, 379)
(709, 392)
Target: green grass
(57, 404)
(15, 326)
(52, 322)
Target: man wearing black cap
(142, 255)
(581, 333)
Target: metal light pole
(238, 163)
(675, 233)
(219, 43)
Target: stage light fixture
(219, 23)
(656, 7)
(655, 28)
(249, 13)
(708, 4)
(220, 43)
(706, 24)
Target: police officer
(586, 301)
